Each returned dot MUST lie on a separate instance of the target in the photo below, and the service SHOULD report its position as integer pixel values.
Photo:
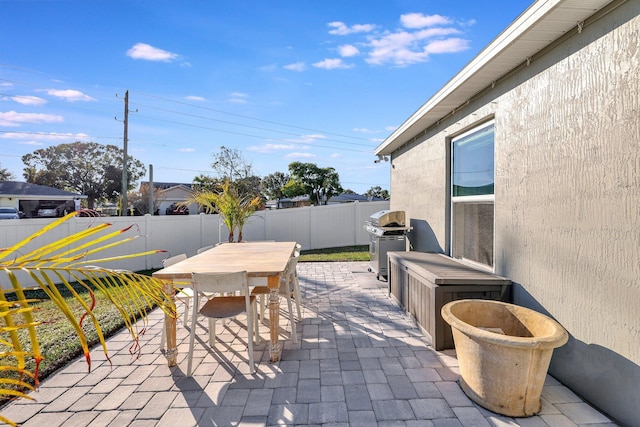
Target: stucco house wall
(567, 198)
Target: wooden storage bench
(423, 282)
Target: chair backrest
(289, 273)
(221, 282)
(173, 260)
(204, 248)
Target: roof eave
(519, 41)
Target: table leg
(274, 318)
(170, 329)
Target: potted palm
(63, 266)
(233, 208)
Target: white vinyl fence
(314, 227)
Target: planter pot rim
(556, 338)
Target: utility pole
(125, 186)
(151, 188)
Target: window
(472, 197)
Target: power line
(251, 118)
(249, 135)
(248, 126)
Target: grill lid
(387, 218)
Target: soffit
(538, 26)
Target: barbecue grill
(387, 232)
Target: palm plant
(234, 209)
(65, 262)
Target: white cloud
(268, 148)
(238, 98)
(186, 150)
(12, 118)
(418, 36)
(296, 66)
(341, 29)
(348, 50)
(300, 155)
(419, 20)
(33, 138)
(331, 64)
(150, 53)
(70, 95)
(195, 98)
(404, 48)
(336, 155)
(447, 45)
(364, 130)
(27, 100)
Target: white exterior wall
(567, 199)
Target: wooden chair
(288, 283)
(223, 306)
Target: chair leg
(294, 335)
(250, 337)
(192, 335)
(298, 297)
(212, 332)
(186, 312)
(256, 326)
(263, 301)
(163, 337)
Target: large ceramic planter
(504, 352)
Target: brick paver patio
(359, 361)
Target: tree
(319, 183)
(6, 175)
(293, 188)
(273, 184)
(377, 191)
(229, 164)
(139, 199)
(88, 168)
(232, 167)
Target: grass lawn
(347, 253)
(59, 343)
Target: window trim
(470, 199)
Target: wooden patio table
(261, 260)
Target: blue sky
(312, 81)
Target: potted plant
(504, 352)
(233, 208)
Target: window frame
(470, 199)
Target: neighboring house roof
(166, 185)
(536, 28)
(24, 189)
(346, 198)
(303, 198)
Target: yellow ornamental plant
(67, 266)
(234, 210)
